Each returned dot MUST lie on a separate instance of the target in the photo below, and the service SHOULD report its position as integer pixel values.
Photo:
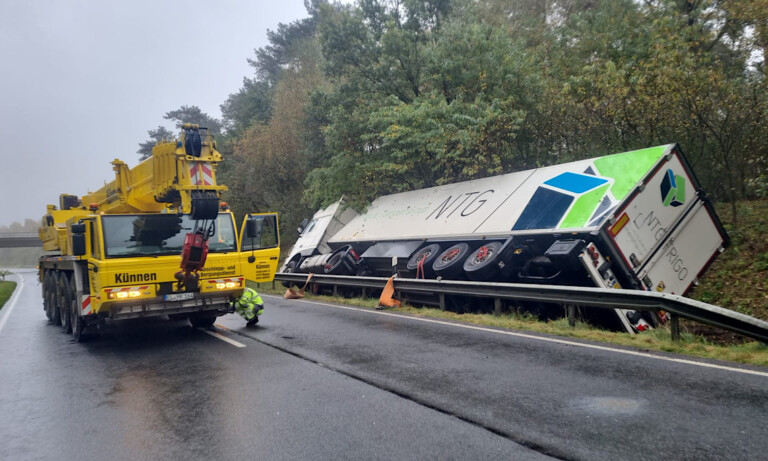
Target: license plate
(179, 296)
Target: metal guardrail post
(497, 306)
(674, 326)
(571, 308)
(441, 296)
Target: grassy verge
(6, 290)
(752, 352)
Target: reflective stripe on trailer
(85, 305)
(201, 174)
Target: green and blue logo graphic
(673, 189)
(569, 200)
(574, 200)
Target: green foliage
(184, 114)
(155, 136)
(393, 96)
(284, 45)
(193, 114)
(761, 262)
(252, 104)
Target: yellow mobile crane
(155, 241)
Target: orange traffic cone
(291, 293)
(386, 299)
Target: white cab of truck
(315, 233)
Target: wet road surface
(319, 381)
(156, 390)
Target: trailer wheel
(341, 262)
(483, 263)
(450, 262)
(65, 297)
(47, 300)
(424, 257)
(53, 292)
(202, 320)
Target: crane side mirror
(78, 239)
(78, 244)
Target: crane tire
(201, 320)
(65, 301)
(47, 301)
(78, 323)
(53, 292)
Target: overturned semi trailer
(636, 220)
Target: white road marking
(222, 337)
(11, 303)
(541, 338)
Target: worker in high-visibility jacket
(249, 305)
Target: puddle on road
(609, 406)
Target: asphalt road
(321, 381)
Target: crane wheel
(202, 320)
(48, 302)
(78, 323)
(53, 293)
(65, 301)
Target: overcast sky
(82, 81)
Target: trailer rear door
(665, 233)
(685, 253)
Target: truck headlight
(126, 293)
(224, 284)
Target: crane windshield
(160, 234)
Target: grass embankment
(6, 290)
(751, 352)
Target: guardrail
(20, 240)
(582, 296)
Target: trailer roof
(575, 196)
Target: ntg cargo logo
(673, 189)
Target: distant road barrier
(679, 306)
(20, 240)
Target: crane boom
(179, 177)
